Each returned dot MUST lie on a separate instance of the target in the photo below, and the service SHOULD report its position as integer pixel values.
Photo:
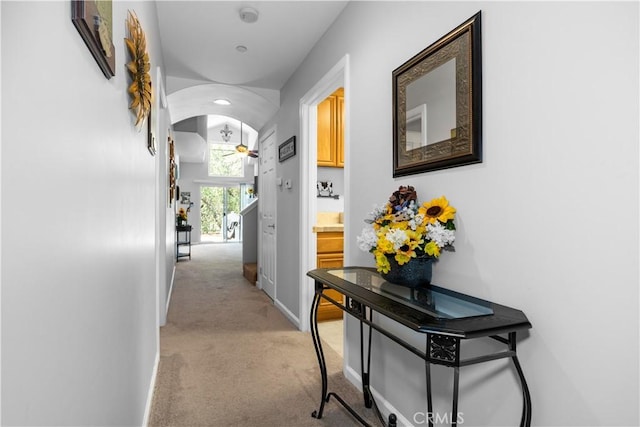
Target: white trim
(385, 407)
(261, 138)
(292, 318)
(152, 386)
(159, 218)
(173, 277)
(1, 225)
(335, 78)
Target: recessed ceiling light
(241, 48)
(222, 101)
(248, 15)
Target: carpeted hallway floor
(228, 357)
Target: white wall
(548, 223)
(79, 308)
(165, 214)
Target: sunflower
(140, 88)
(437, 210)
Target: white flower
(440, 235)
(397, 237)
(416, 221)
(367, 240)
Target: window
(224, 161)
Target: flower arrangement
(182, 216)
(402, 229)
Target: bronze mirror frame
(463, 145)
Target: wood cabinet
(330, 247)
(331, 130)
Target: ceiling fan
(240, 148)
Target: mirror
(437, 104)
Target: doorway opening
(220, 206)
(336, 78)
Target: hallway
(228, 357)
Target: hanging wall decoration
(94, 21)
(437, 104)
(172, 170)
(287, 149)
(140, 88)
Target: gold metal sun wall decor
(140, 88)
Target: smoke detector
(248, 15)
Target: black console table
(444, 316)
(185, 242)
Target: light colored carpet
(228, 357)
(331, 332)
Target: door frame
(261, 184)
(223, 229)
(337, 77)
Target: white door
(267, 196)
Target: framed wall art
(437, 104)
(185, 197)
(151, 139)
(172, 170)
(287, 149)
(94, 21)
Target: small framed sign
(287, 149)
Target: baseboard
(288, 314)
(152, 386)
(383, 404)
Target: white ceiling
(199, 40)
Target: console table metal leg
(319, 353)
(525, 421)
(365, 371)
(427, 369)
(454, 411)
(315, 334)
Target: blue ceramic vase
(414, 274)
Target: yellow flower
(415, 238)
(432, 249)
(384, 245)
(437, 210)
(404, 225)
(382, 262)
(404, 257)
